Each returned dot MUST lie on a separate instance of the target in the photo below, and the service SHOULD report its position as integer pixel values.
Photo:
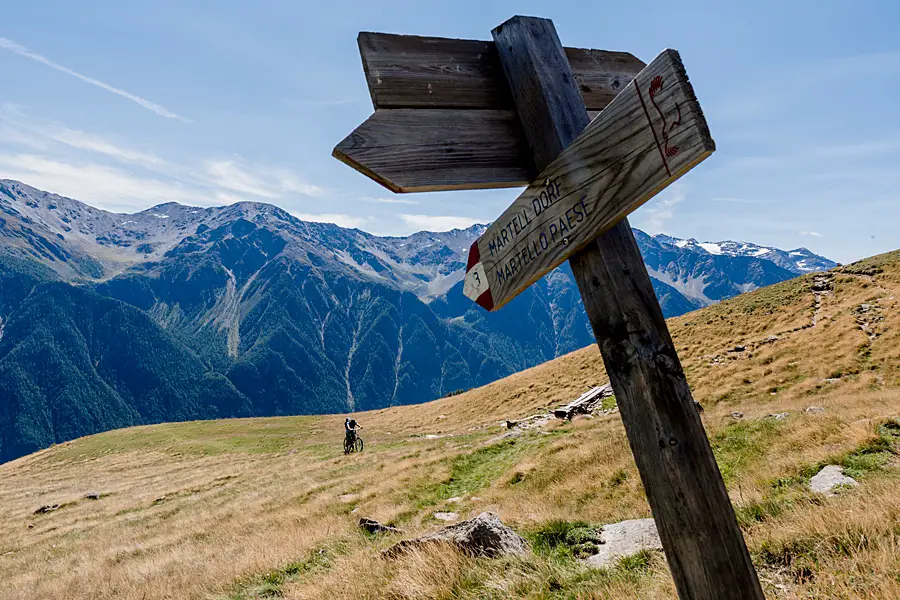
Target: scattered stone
(778, 416)
(829, 478)
(373, 526)
(738, 348)
(446, 516)
(772, 338)
(454, 500)
(31, 526)
(815, 410)
(92, 496)
(511, 424)
(737, 415)
(821, 283)
(624, 539)
(485, 535)
(442, 416)
(46, 509)
(698, 406)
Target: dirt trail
(821, 286)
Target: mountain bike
(353, 443)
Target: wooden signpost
(585, 177)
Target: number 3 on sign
(476, 282)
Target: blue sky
(125, 105)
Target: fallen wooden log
(584, 404)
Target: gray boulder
(485, 535)
(618, 540)
(829, 478)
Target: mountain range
(179, 312)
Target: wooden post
(703, 543)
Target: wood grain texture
(651, 134)
(696, 522)
(420, 150)
(704, 546)
(405, 71)
(427, 150)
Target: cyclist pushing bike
(352, 441)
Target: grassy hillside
(268, 507)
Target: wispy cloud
(99, 185)
(437, 223)
(342, 220)
(81, 140)
(262, 182)
(733, 200)
(162, 111)
(388, 200)
(812, 233)
(112, 175)
(657, 213)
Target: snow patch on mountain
(799, 260)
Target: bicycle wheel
(359, 444)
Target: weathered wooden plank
(406, 71)
(696, 522)
(411, 150)
(703, 544)
(649, 136)
(585, 403)
(427, 150)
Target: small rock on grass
(92, 496)
(623, 539)
(46, 509)
(446, 516)
(737, 415)
(778, 416)
(485, 535)
(829, 478)
(815, 410)
(373, 526)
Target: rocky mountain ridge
(282, 316)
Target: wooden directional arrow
(650, 135)
(444, 118)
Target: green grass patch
(869, 457)
(608, 403)
(271, 584)
(785, 492)
(471, 472)
(565, 540)
(803, 556)
(740, 444)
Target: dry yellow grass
(241, 508)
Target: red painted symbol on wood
(655, 87)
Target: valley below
(792, 378)
(179, 313)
